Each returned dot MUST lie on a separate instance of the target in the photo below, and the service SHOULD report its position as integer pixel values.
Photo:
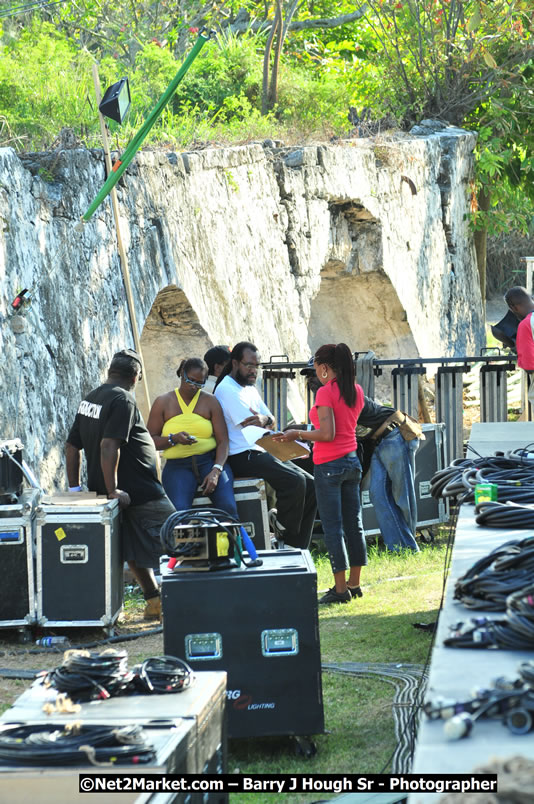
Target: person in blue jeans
(392, 491)
(337, 469)
(391, 460)
(392, 476)
(188, 425)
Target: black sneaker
(336, 597)
(355, 591)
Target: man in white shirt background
(243, 406)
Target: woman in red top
(337, 468)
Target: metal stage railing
(405, 388)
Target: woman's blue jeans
(392, 491)
(180, 481)
(338, 499)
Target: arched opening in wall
(356, 302)
(172, 332)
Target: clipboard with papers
(284, 451)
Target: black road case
(17, 596)
(429, 459)
(260, 625)
(57, 784)
(79, 567)
(203, 705)
(251, 500)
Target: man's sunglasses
(193, 382)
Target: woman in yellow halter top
(188, 425)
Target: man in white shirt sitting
(242, 406)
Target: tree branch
(244, 24)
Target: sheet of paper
(251, 433)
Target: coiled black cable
(504, 515)
(488, 583)
(86, 675)
(513, 632)
(80, 745)
(163, 674)
(512, 473)
(526, 672)
(448, 482)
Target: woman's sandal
(355, 591)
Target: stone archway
(357, 302)
(172, 332)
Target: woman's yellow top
(193, 424)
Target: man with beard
(242, 406)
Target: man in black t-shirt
(121, 464)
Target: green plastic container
(485, 492)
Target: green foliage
(468, 62)
(155, 67)
(43, 79)
(46, 84)
(505, 163)
(229, 68)
(325, 99)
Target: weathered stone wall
(290, 248)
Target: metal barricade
(450, 409)
(405, 385)
(494, 392)
(274, 388)
(364, 369)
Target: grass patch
(399, 590)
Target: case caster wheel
(24, 636)
(110, 631)
(426, 535)
(304, 747)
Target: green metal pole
(138, 139)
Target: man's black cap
(309, 370)
(128, 353)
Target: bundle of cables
(197, 520)
(448, 482)
(509, 700)
(512, 473)
(505, 515)
(488, 583)
(74, 744)
(86, 676)
(515, 631)
(162, 674)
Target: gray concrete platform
(454, 672)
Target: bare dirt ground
(28, 657)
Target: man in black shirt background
(121, 464)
